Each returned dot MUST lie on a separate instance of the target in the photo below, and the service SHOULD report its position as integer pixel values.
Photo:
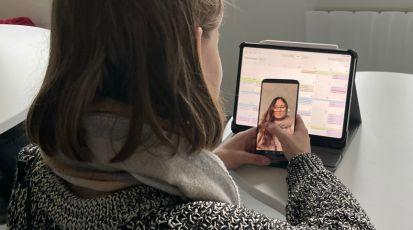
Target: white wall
(37, 10)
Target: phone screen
(278, 105)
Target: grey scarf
(192, 176)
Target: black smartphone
(278, 105)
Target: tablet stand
(330, 157)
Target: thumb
(252, 158)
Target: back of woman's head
(141, 53)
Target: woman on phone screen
(277, 113)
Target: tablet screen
(324, 81)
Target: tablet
(326, 80)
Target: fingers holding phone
(292, 144)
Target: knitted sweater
(42, 200)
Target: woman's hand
(239, 150)
(292, 144)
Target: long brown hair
(138, 52)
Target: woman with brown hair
(276, 113)
(126, 130)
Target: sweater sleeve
(317, 200)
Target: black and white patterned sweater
(42, 200)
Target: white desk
(24, 53)
(377, 166)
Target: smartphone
(278, 105)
